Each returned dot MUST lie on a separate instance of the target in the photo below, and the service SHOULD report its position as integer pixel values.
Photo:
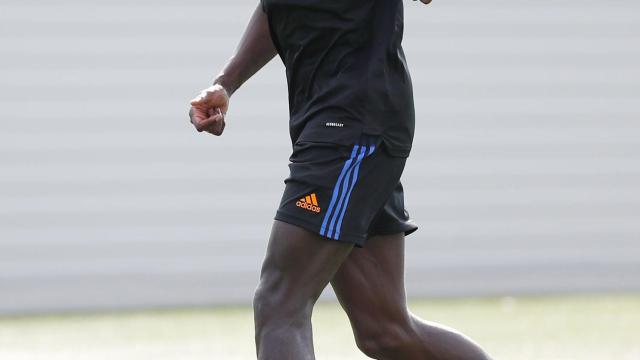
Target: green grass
(572, 328)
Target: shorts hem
(358, 241)
(407, 228)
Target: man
(342, 218)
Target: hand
(209, 109)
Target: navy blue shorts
(345, 193)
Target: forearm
(252, 54)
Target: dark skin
(369, 282)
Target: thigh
(299, 264)
(370, 283)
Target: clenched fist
(208, 110)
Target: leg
(370, 287)
(297, 267)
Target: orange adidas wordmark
(309, 202)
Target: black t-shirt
(346, 70)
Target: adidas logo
(309, 202)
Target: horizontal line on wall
(608, 214)
(225, 239)
(208, 264)
(83, 90)
(427, 180)
(174, 61)
(133, 30)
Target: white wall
(524, 178)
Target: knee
(273, 306)
(384, 340)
